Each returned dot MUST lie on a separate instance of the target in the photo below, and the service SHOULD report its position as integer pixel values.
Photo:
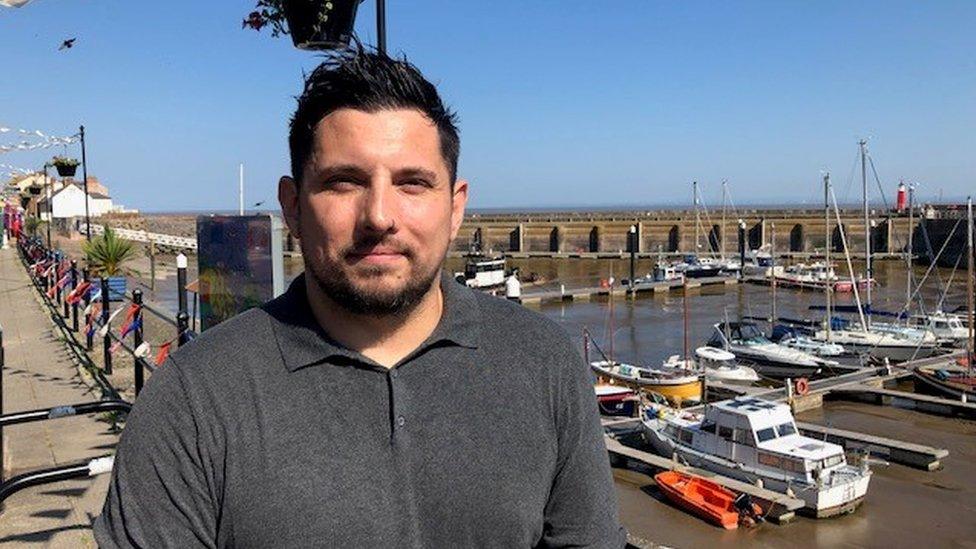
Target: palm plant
(107, 254)
(32, 225)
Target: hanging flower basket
(34, 189)
(66, 166)
(313, 24)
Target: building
(68, 201)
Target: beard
(364, 298)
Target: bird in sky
(67, 44)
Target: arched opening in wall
(595, 239)
(674, 238)
(554, 239)
(755, 234)
(837, 241)
(879, 238)
(514, 237)
(715, 239)
(796, 238)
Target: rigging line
(938, 307)
(935, 261)
(929, 250)
(850, 177)
(850, 268)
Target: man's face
(375, 211)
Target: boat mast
(969, 283)
(724, 202)
(830, 282)
(611, 312)
(867, 229)
(684, 300)
(772, 274)
(909, 252)
(694, 192)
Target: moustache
(373, 245)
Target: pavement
(40, 371)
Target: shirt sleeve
(160, 494)
(582, 506)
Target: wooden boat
(954, 381)
(679, 387)
(709, 500)
(616, 400)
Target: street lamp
(84, 175)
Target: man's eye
(416, 184)
(339, 184)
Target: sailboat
(678, 386)
(893, 345)
(956, 380)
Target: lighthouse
(901, 200)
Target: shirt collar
(302, 341)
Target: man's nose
(379, 210)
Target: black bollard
(182, 318)
(89, 337)
(107, 340)
(137, 339)
(57, 280)
(74, 286)
(182, 327)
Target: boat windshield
(766, 434)
(769, 433)
(785, 429)
(751, 334)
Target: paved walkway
(40, 372)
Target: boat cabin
(744, 333)
(759, 433)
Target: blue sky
(562, 103)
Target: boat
(715, 365)
(891, 345)
(679, 387)
(756, 441)
(705, 498)
(483, 272)
(949, 329)
(817, 276)
(616, 400)
(955, 381)
(748, 344)
(796, 339)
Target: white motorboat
(894, 345)
(483, 272)
(948, 328)
(757, 441)
(795, 339)
(747, 343)
(716, 365)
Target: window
(743, 436)
(685, 436)
(725, 432)
(772, 460)
(766, 434)
(707, 426)
(833, 460)
(785, 429)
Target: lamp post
(84, 175)
(50, 207)
(381, 26)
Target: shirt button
(401, 421)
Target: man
(377, 402)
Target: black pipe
(381, 26)
(45, 476)
(74, 286)
(70, 410)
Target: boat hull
(679, 390)
(823, 503)
(928, 381)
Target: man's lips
(376, 254)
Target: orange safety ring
(802, 386)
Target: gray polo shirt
(264, 432)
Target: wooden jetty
(587, 293)
(776, 506)
(928, 403)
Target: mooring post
(137, 338)
(74, 286)
(632, 244)
(89, 336)
(107, 340)
(182, 318)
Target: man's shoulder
(518, 326)
(229, 343)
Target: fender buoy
(802, 386)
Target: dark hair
(368, 81)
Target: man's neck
(383, 339)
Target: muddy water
(904, 507)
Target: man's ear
(459, 201)
(288, 195)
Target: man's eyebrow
(417, 172)
(341, 170)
